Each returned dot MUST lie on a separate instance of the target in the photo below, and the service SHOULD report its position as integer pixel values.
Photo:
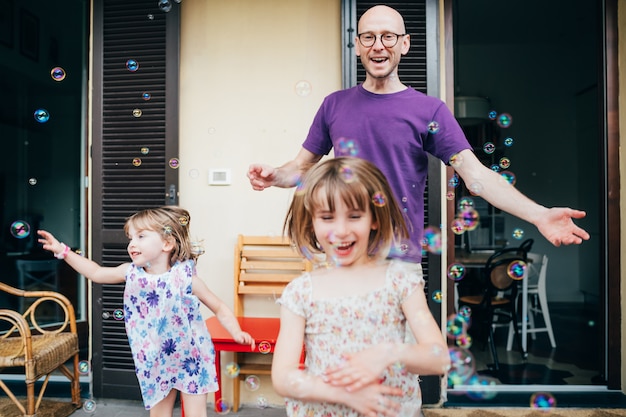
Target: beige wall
(240, 64)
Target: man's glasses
(388, 39)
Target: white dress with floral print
(349, 324)
(170, 343)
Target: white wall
(240, 63)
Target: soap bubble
(57, 74)
(41, 115)
(20, 229)
(89, 406)
(504, 120)
(132, 65)
(165, 5)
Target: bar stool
(538, 300)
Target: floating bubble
(150, 16)
(132, 65)
(183, 220)
(89, 406)
(495, 167)
(252, 383)
(379, 200)
(465, 312)
(482, 387)
(432, 240)
(136, 162)
(222, 406)
(516, 270)
(118, 314)
(106, 315)
(456, 160)
(509, 177)
(492, 115)
(145, 150)
(470, 218)
(437, 296)
(346, 174)
(508, 141)
(455, 326)
(262, 402)
(20, 229)
(57, 74)
(32, 181)
(84, 367)
(518, 233)
(174, 163)
(462, 365)
(450, 195)
(137, 113)
(475, 188)
(232, 369)
(265, 347)
(41, 115)
(194, 173)
(543, 401)
(489, 148)
(505, 162)
(464, 341)
(456, 271)
(465, 204)
(165, 5)
(433, 127)
(454, 181)
(303, 88)
(504, 120)
(197, 247)
(347, 147)
(457, 226)
(146, 96)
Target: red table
(262, 329)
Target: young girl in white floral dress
(170, 343)
(351, 316)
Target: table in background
(262, 329)
(478, 260)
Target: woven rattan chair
(38, 351)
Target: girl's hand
(375, 400)
(49, 242)
(244, 338)
(358, 369)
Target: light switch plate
(219, 177)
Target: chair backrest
(264, 265)
(537, 269)
(506, 266)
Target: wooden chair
(40, 352)
(264, 265)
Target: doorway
(545, 82)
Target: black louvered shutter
(134, 157)
(413, 72)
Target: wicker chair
(36, 350)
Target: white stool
(537, 299)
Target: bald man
(394, 126)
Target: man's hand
(558, 227)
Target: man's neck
(388, 85)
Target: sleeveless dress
(170, 343)
(350, 324)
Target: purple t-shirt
(391, 131)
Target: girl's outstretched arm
(291, 381)
(222, 312)
(82, 265)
